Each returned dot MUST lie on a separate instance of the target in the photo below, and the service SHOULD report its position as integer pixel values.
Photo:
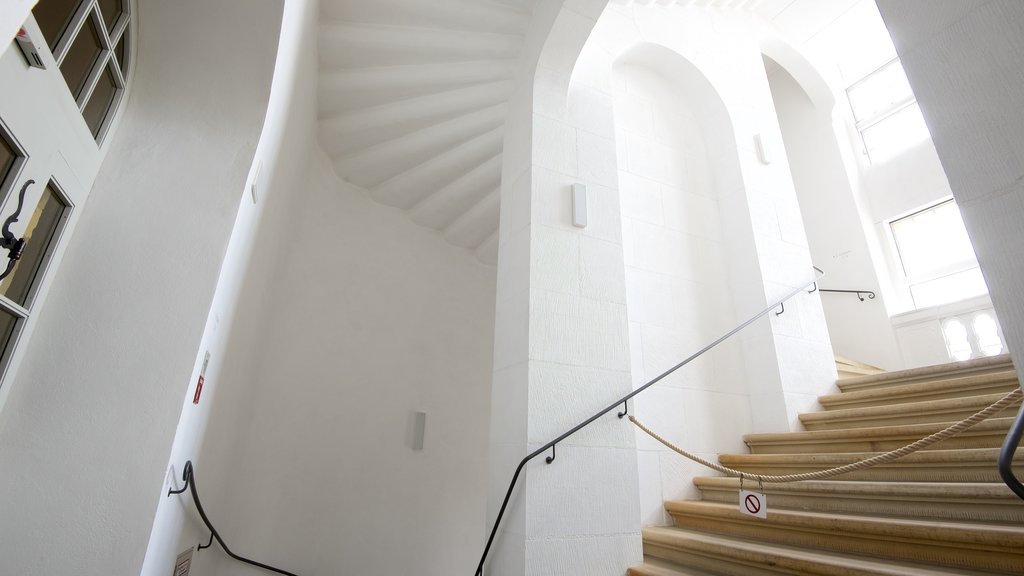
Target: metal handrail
(624, 401)
(870, 294)
(1006, 455)
(190, 484)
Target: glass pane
(99, 103)
(952, 288)
(110, 10)
(880, 92)
(122, 54)
(53, 17)
(987, 332)
(8, 325)
(81, 57)
(956, 340)
(895, 134)
(8, 156)
(933, 242)
(38, 235)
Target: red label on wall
(199, 389)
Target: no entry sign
(753, 504)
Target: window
(42, 220)
(90, 43)
(888, 117)
(973, 335)
(938, 261)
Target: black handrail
(869, 293)
(624, 401)
(190, 484)
(1006, 455)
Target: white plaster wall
(369, 319)
(788, 357)
(561, 337)
(236, 317)
(91, 415)
(831, 216)
(13, 14)
(964, 61)
(677, 285)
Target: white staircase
(412, 106)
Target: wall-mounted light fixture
(579, 205)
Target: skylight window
(888, 117)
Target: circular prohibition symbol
(752, 503)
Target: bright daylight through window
(888, 117)
(939, 265)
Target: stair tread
(927, 409)
(944, 531)
(655, 567)
(789, 557)
(1001, 361)
(844, 361)
(964, 455)
(915, 431)
(966, 384)
(945, 490)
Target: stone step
(848, 368)
(997, 548)
(947, 410)
(998, 363)
(737, 557)
(655, 567)
(986, 502)
(971, 465)
(979, 384)
(986, 434)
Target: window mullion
(72, 31)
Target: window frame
(23, 167)
(908, 282)
(107, 60)
(865, 124)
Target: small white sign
(753, 504)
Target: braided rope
(995, 408)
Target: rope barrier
(997, 407)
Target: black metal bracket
(207, 545)
(625, 410)
(551, 458)
(15, 246)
